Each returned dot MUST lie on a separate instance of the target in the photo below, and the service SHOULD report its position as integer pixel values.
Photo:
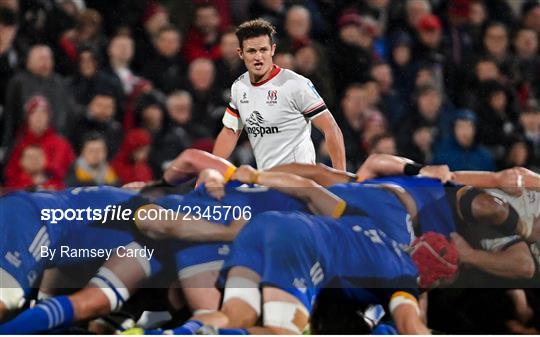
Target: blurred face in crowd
(298, 23)
(307, 60)
(530, 121)
(121, 50)
(201, 74)
(94, 152)
(424, 77)
(415, 10)
(207, 19)
(487, 70)
(477, 13)
(354, 102)
(351, 34)
(33, 160)
(430, 37)
(387, 145)
(179, 107)
(285, 61)
(141, 154)
(11, 4)
(168, 43)
(464, 131)
(382, 73)
(101, 108)
(496, 40)
(229, 46)
(87, 64)
(401, 55)
(38, 120)
(40, 61)
(518, 154)
(7, 36)
(429, 104)
(372, 94)
(526, 43)
(423, 138)
(152, 117)
(90, 24)
(532, 19)
(257, 53)
(498, 101)
(157, 21)
(273, 5)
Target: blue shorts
(301, 253)
(198, 258)
(22, 236)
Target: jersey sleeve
(308, 100)
(231, 118)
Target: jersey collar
(275, 70)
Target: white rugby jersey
(276, 115)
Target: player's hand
(214, 183)
(464, 249)
(510, 181)
(245, 174)
(441, 172)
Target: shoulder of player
(242, 78)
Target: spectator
(131, 161)
(207, 103)
(517, 153)
(496, 43)
(478, 16)
(414, 11)
(350, 59)
(527, 62)
(272, 11)
(374, 126)
(120, 52)
(58, 152)
(462, 152)
(91, 167)
(99, 117)
(351, 120)
(496, 116)
(429, 47)
(180, 109)
(38, 79)
(530, 124)
(530, 14)
(384, 143)
(297, 33)
(229, 66)
(167, 68)
(403, 67)
(203, 38)
(31, 171)
(391, 104)
(419, 146)
(89, 79)
(427, 111)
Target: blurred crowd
(108, 92)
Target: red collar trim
(276, 69)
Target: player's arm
(514, 262)
(320, 173)
(333, 136)
(319, 200)
(225, 142)
(380, 165)
(232, 127)
(191, 162)
(406, 314)
(516, 177)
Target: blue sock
(188, 328)
(53, 313)
(233, 332)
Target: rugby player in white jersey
(276, 107)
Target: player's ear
(240, 53)
(273, 49)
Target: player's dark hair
(255, 28)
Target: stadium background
(152, 78)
